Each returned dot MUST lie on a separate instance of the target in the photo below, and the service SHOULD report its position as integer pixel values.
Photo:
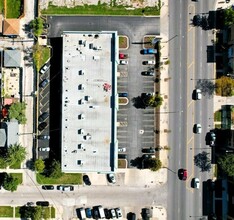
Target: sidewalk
(164, 86)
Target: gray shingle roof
(12, 58)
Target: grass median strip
(103, 9)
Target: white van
(101, 212)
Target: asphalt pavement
(188, 57)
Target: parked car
(123, 94)
(86, 180)
(148, 150)
(44, 69)
(212, 138)
(122, 149)
(46, 25)
(149, 62)
(148, 51)
(123, 56)
(47, 187)
(111, 178)
(118, 213)
(95, 214)
(81, 213)
(45, 149)
(65, 188)
(131, 216)
(147, 73)
(196, 20)
(197, 129)
(197, 94)
(122, 156)
(107, 213)
(43, 83)
(113, 214)
(196, 183)
(43, 116)
(123, 62)
(42, 126)
(148, 156)
(43, 137)
(182, 174)
(42, 203)
(88, 212)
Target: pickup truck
(149, 51)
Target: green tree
(37, 26)
(3, 162)
(16, 154)
(34, 213)
(10, 183)
(17, 111)
(153, 100)
(37, 214)
(153, 163)
(224, 86)
(228, 16)
(39, 165)
(54, 170)
(226, 163)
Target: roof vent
(81, 131)
(81, 116)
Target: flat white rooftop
(88, 102)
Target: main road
(188, 56)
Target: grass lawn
(41, 55)
(67, 178)
(52, 212)
(217, 115)
(123, 42)
(19, 176)
(102, 9)
(15, 166)
(17, 214)
(6, 211)
(1, 6)
(13, 8)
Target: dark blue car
(88, 212)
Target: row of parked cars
(98, 212)
(66, 188)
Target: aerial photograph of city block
(117, 109)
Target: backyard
(1, 6)
(41, 55)
(13, 8)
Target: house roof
(11, 27)
(12, 58)
(12, 132)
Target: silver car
(197, 129)
(196, 183)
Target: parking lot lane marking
(190, 103)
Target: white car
(44, 149)
(123, 62)
(122, 149)
(118, 213)
(111, 178)
(197, 129)
(44, 68)
(196, 183)
(149, 62)
(198, 94)
(113, 215)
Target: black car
(123, 94)
(197, 20)
(95, 213)
(86, 180)
(48, 187)
(43, 83)
(148, 150)
(107, 213)
(43, 137)
(43, 116)
(42, 126)
(42, 203)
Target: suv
(149, 51)
(196, 183)
(42, 203)
(123, 62)
(148, 150)
(43, 116)
(45, 149)
(43, 137)
(111, 178)
(149, 62)
(197, 129)
(118, 213)
(44, 69)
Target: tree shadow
(137, 162)
(138, 102)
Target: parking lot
(136, 126)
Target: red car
(182, 174)
(123, 56)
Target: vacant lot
(67, 178)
